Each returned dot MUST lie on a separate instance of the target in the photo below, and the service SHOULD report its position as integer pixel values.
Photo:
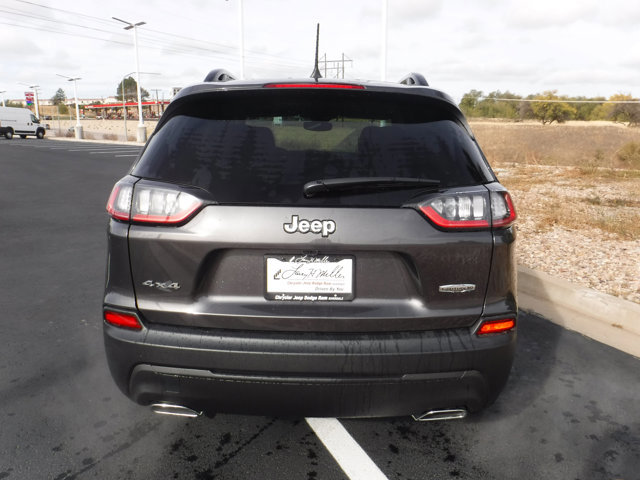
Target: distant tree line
(549, 107)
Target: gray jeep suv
(311, 248)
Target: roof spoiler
(219, 75)
(415, 79)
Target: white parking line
(110, 151)
(345, 450)
(99, 149)
(76, 147)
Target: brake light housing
(470, 210)
(151, 204)
(334, 86)
(503, 212)
(119, 204)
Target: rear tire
(40, 134)
(8, 134)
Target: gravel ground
(583, 254)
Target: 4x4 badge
(325, 227)
(167, 286)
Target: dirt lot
(578, 202)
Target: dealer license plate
(314, 278)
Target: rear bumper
(297, 374)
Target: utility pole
(241, 28)
(157, 105)
(343, 64)
(336, 65)
(383, 55)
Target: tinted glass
(266, 153)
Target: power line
(533, 100)
(62, 22)
(50, 30)
(98, 19)
(158, 38)
(165, 47)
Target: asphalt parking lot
(571, 409)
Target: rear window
(262, 148)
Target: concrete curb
(86, 140)
(603, 317)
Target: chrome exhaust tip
(176, 410)
(435, 415)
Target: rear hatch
(323, 210)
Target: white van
(20, 121)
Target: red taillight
(119, 204)
(343, 86)
(464, 210)
(151, 204)
(497, 326)
(470, 210)
(122, 320)
(162, 205)
(503, 212)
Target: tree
(524, 109)
(58, 99)
(628, 113)
(469, 103)
(130, 90)
(495, 105)
(554, 110)
(499, 105)
(587, 110)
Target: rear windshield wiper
(328, 185)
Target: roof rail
(219, 75)
(415, 79)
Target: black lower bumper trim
(288, 396)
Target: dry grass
(571, 176)
(571, 143)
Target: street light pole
(124, 107)
(124, 102)
(383, 59)
(241, 21)
(142, 130)
(78, 127)
(35, 89)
